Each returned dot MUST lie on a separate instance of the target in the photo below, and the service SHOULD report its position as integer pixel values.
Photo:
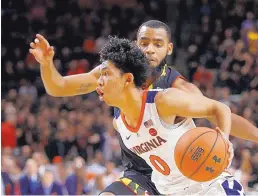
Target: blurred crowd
(222, 51)
(68, 145)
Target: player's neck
(132, 106)
(151, 79)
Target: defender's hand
(41, 50)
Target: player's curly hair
(127, 57)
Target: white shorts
(222, 186)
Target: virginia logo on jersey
(148, 146)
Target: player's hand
(230, 146)
(41, 50)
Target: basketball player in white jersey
(154, 39)
(147, 119)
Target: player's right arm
(240, 128)
(174, 102)
(54, 83)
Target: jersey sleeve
(116, 112)
(174, 75)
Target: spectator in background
(78, 182)
(105, 179)
(203, 76)
(5, 169)
(41, 161)
(96, 165)
(15, 175)
(111, 148)
(252, 40)
(89, 45)
(225, 93)
(60, 172)
(76, 68)
(29, 182)
(8, 131)
(25, 154)
(48, 186)
(27, 89)
(248, 23)
(100, 41)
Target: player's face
(111, 84)
(155, 44)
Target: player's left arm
(240, 127)
(177, 102)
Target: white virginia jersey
(155, 143)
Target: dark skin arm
(240, 127)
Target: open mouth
(101, 93)
(151, 60)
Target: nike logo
(128, 137)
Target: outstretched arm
(176, 102)
(55, 84)
(240, 127)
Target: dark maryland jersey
(130, 160)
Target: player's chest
(152, 140)
(145, 141)
(160, 83)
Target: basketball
(201, 154)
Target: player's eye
(158, 44)
(144, 44)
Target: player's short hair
(156, 24)
(127, 57)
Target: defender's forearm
(53, 81)
(241, 128)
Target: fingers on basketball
(226, 137)
(219, 130)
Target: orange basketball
(201, 154)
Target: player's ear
(170, 48)
(128, 79)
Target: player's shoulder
(151, 94)
(169, 75)
(171, 69)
